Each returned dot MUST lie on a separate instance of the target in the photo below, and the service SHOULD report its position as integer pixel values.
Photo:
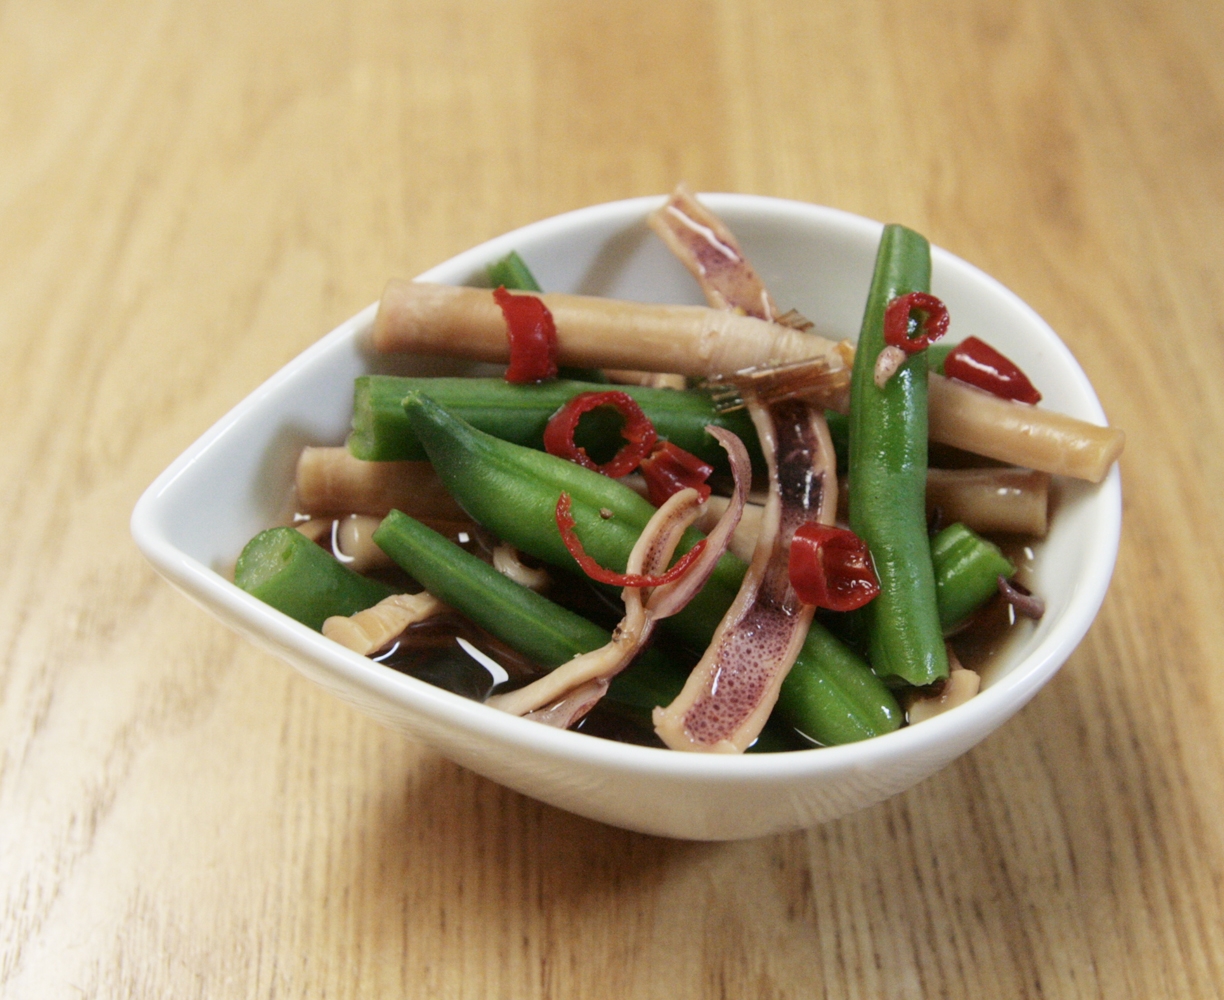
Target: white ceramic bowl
(229, 485)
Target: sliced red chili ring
(669, 469)
(979, 364)
(831, 568)
(913, 333)
(637, 430)
(532, 335)
(565, 524)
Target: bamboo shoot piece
(696, 341)
(960, 686)
(990, 501)
(331, 481)
(591, 332)
(976, 421)
(1011, 501)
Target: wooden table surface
(190, 194)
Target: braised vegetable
(332, 481)
(513, 492)
(285, 569)
(829, 698)
(696, 341)
(368, 631)
(520, 413)
(512, 272)
(536, 464)
(1008, 501)
(571, 690)
(968, 418)
(608, 333)
(967, 570)
(888, 463)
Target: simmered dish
(706, 528)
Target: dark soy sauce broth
(430, 651)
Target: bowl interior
(232, 483)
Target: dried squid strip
(704, 244)
(732, 690)
(368, 631)
(730, 693)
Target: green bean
(284, 568)
(837, 698)
(967, 571)
(839, 431)
(937, 354)
(513, 273)
(513, 492)
(544, 632)
(888, 461)
(519, 413)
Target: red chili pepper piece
(929, 325)
(831, 568)
(532, 335)
(669, 469)
(977, 363)
(565, 524)
(637, 430)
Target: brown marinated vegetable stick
(976, 421)
(1011, 501)
(1007, 501)
(331, 481)
(693, 340)
(591, 332)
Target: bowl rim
(963, 725)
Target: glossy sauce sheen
(984, 640)
(430, 651)
(749, 651)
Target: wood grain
(190, 194)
